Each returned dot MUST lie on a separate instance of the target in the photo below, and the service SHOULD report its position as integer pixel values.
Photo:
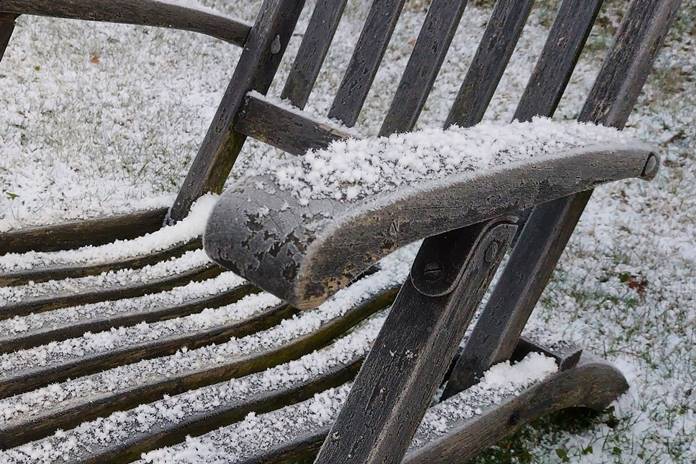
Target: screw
(491, 252)
(275, 46)
(432, 271)
(651, 167)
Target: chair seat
(316, 223)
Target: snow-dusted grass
(99, 118)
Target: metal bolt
(491, 252)
(432, 271)
(275, 46)
(651, 167)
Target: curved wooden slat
(299, 254)
(30, 379)
(226, 413)
(77, 234)
(593, 384)
(64, 300)
(151, 389)
(546, 86)
(72, 329)
(141, 12)
(45, 274)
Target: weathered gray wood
(226, 413)
(141, 12)
(81, 233)
(494, 52)
(303, 255)
(363, 66)
(428, 54)
(592, 383)
(413, 351)
(550, 225)
(557, 61)
(544, 90)
(44, 274)
(7, 23)
(37, 377)
(313, 49)
(291, 131)
(153, 388)
(255, 70)
(64, 300)
(54, 333)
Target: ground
(100, 118)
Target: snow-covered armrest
(175, 14)
(309, 228)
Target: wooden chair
(539, 204)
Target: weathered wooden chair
(305, 251)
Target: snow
(257, 433)
(185, 230)
(353, 169)
(80, 139)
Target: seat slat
(293, 131)
(44, 274)
(290, 382)
(313, 49)
(156, 383)
(492, 57)
(546, 86)
(148, 312)
(423, 66)
(82, 233)
(363, 66)
(66, 299)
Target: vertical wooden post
(415, 347)
(255, 70)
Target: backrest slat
(363, 66)
(557, 61)
(492, 57)
(628, 65)
(313, 49)
(423, 66)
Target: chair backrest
(292, 130)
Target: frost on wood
(187, 229)
(131, 376)
(169, 412)
(112, 279)
(354, 169)
(257, 433)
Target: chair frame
(405, 384)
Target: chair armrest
(305, 250)
(157, 13)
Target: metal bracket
(442, 259)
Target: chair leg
(527, 273)
(416, 345)
(593, 383)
